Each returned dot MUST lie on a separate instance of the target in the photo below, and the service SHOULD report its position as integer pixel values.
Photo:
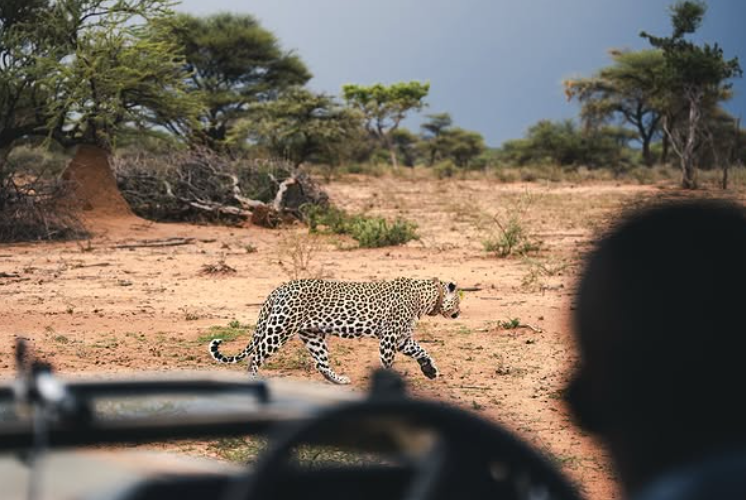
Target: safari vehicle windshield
(383, 442)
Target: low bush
(369, 232)
(375, 232)
(510, 238)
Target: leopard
(314, 309)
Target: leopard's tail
(261, 326)
(221, 358)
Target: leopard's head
(451, 300)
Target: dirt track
(90, 306)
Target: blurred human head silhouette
(659, 323)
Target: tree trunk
(732, 154)
(647, 157)
(93, 186)
(664, 149)
(4, 153)
(689, 172)
(724, 184)
(392, 155)
(688, 157)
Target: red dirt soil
(94, 186)
(95, 306)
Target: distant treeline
(134, 73)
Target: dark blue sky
(496, 65)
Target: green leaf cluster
(369, 232)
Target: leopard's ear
(451, 287)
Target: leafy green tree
(721, 137)
(627, 90)
(461, 146)
(120, 68)
(444, 141)
(407, 144)
(82, 71)
(299, 125)
(20, 97)
(693, 78)
(385, 106)
(233, 62)
(432, 129)
(562, 143)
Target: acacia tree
(443, 140)
(233, 62)
(385, 106)
(407, 145)
(120, 68)
(461, 145)
(627, 90)
(20, 99)
(432, 129)
(298, 125)
(693, 78)
(106, 65)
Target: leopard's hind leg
(315, 342)
(277, 330)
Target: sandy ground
(97, 306)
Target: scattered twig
(491, 298)
(470, 289)
(9, 275)
(96, 264)
(168, 242)
(530, 327)
(515, 324)
(15, 280)
(220, 268)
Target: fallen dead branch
(9, 275)
(202, 186)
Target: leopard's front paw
(429, 369)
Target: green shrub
(510, 239)
(375, 232)
(369, 232)
(326, 219)
(445, 169)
